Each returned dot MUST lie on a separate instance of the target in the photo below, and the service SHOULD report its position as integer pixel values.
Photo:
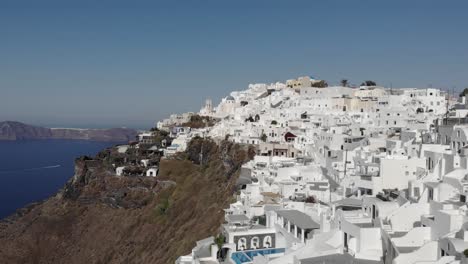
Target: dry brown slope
(88, 229)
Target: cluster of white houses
(342, 175)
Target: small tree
(274, 122)
(465, 252)
(320, 84)
(219, 240)
(344, 82)
(310, 199)
(464, 92)
(163, 133)
(368, 83)
(263, 137)
(163, 207)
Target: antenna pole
(446, 107)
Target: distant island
(12, 130)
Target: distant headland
(12, 130)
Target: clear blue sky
(112, 64)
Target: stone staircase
(388, 229)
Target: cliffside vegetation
(368, 83)
(320, 84)
(101, 218)
(197, 121)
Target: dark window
(431, 194)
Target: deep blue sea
(32, 170)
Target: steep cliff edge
(11, 130)
(100, 218)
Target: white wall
(428, 252)
(396, 173)
(414, 238)
(403, 218)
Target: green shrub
(464, 92)
(219, 240)
(368, 83)
(163, 207)
(320, 84)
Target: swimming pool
(247, 256)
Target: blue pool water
(247, 256)
(32, 170)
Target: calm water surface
(33, 170)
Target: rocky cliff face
(10, 130)
(100, 218)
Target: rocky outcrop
(101, 218)
(10, 130)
